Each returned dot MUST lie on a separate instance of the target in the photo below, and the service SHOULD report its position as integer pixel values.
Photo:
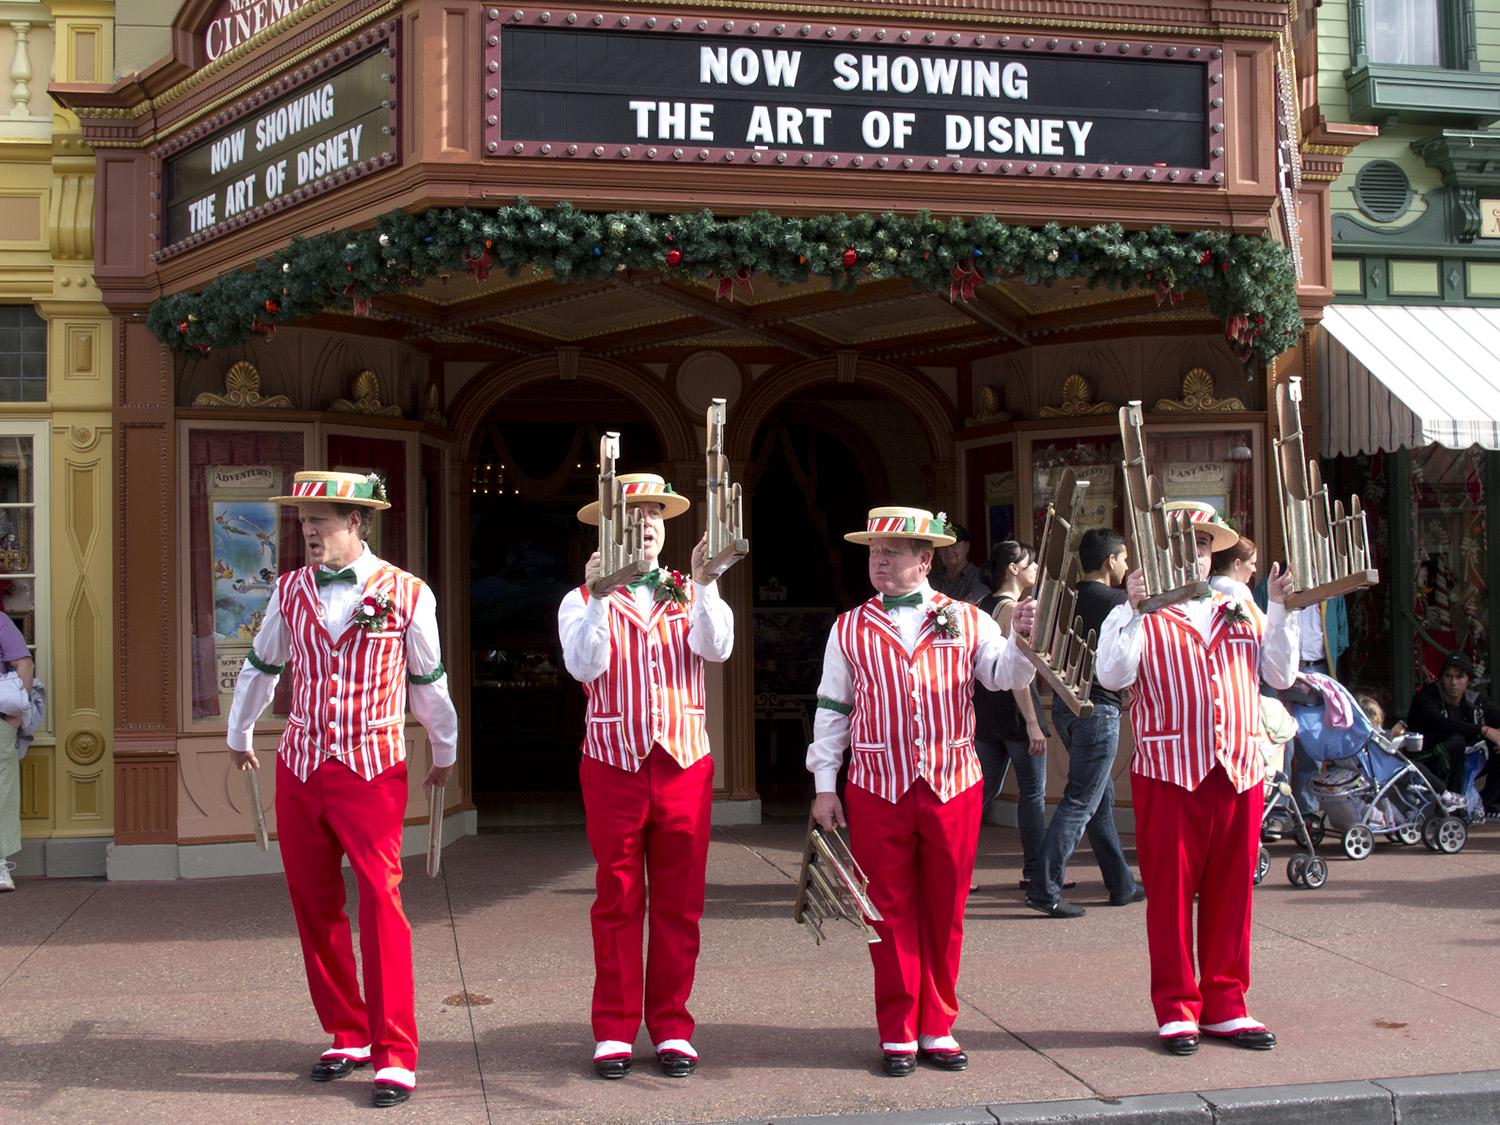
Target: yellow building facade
(57, 489)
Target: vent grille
(1382, 191)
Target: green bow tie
(891, 601)
(650, 581)
(325, 577)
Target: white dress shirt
(584, 628)
(430, 703)
(998, 665)
(1122, 642)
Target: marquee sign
(239, 21)
(664, 88)
(313, 131)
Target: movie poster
(243, 525)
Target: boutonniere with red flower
(944, 620)
(376, 612)
(1234, 612)
(672, 587)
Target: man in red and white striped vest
(647, 781)
(1196, 782)
(898, 685)
(358, 634)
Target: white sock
(398, 1075)
(607, 1047)
(937, 1042)
(1177, 1027)
(899, 1048)
(681, 1046)
(1229, 1027)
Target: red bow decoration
(1165, 292)
(965, 279)
(480, 266)
(740, 279)
(258, 325)
(202, 348)
(361, 304)
(1239, 331)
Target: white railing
(26, 41)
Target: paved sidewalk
(185, 1002)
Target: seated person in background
(1376, 714)
(1450, 716)
(953, 574)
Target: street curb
(1471, 1098)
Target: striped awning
(1407, 376)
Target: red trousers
(1202, 841)
(648, 828)
(919, 856)
(333, 814)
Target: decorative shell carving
(242, 392)
(1197, 396)
(990, 408)
(366, 399)
(432, 414)
(1076, 401)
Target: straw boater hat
(1206, 520)
(320, 486)
(904, 523)
(642, 488)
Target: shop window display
(19, 565)
(1450, 557)
(1214, 466)
(238, 542)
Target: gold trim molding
(1197, 397)
(366, 399)
(242, 392)
(1076, 401)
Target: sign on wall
(670, 89)
(309, 133)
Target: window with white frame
(25, 594)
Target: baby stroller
(1370, 788)
(1306, 868)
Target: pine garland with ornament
(1249, 280)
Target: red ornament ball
(673, 257)
(850, 257)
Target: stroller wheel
(1430, 832)
(1316, 873)
(1359, 841)
(1452, 835)
(1316, 828)
(1296, 868)
(1262, 865)
(1409, 834)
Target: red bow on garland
(965, 279)
(740, 279)
(1164, 292)
(480, 266)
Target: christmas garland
(1249, 281)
